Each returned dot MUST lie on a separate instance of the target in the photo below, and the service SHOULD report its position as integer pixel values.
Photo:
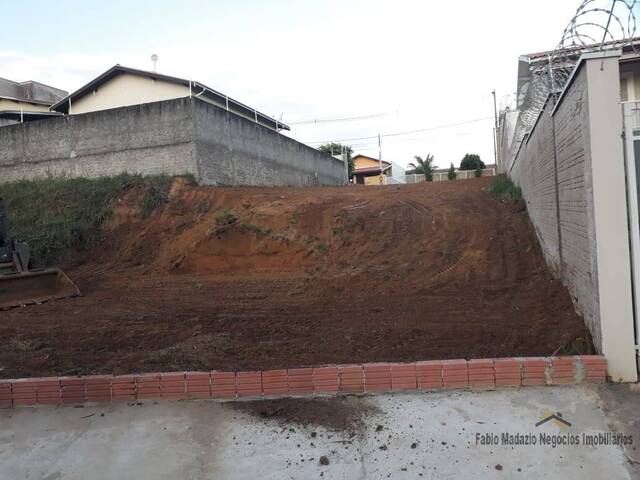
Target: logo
(555, 417)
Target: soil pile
(225, 278)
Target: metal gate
(631, 119)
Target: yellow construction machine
(20, 284)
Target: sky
(389, 67)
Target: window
(626, 87)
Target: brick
(377, 377)
(508, 372)
(173, 385)
(351, 378)
(123, 388)
(563, 370)
(24, 392)
(47, 384)
(300, 380)
(198, 384)
(223, 384)
(403, 376)
(326, 380)
(535, 371)
(455, 374)
(48, 391)
(481, 373)
(249, 384)
(429, 375)
(148, 377)
(275, 382)
(24, 401)
(592, 359)
(172, 377)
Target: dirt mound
(272, 277)
(334, 414)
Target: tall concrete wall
(184, 135)
(571, 172)
(534, 172)
(575, 200)
(233, 150)
(152, 138)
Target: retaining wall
(570, 168)
(232, 150)
(184, 135)
(325, 380)
(152, 138)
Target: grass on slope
(56, 214)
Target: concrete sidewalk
(406, 436)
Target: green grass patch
(57, 214)
(226, 217)
(502, 187)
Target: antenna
(154, 59)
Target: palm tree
(424, 166)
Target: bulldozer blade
(35, 286)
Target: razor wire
(597, 25)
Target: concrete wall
(571, 171)
(233, 150)
(183, 135)
(151, 139)
(125, 90)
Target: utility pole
(495, 128)
(380, 157)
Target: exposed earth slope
(223, 278)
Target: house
(26, 101)
(122, 86)
(136, 121)
(368, 170)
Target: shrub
(471, 161)
(226, 217)
(59, 213)
(502, 187)
(451, 174)
(477, 172)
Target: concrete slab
(423, 435)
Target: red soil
(304, 276)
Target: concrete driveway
(424, 435)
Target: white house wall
(24, 106)
(126, 90)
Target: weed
(502, 187)
(320, 247)
(257, 229)
(203, 207)
(58, 213)
(226, 217)
(156, 193)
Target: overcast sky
(407, 65)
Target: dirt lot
(270, 277)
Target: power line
(401, 133)
(338, 119)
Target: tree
(336, 149)
(451, 174)
(471, 161)
(423, 166)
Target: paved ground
(431, 435)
